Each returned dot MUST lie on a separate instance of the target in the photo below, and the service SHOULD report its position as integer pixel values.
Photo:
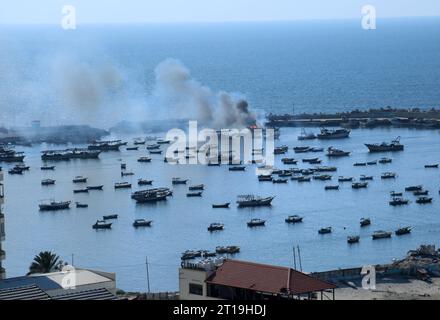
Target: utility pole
(148, 275)
(72, 259)
(294, 258)
(299, 257)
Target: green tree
(45, 262)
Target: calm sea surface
(319, 66)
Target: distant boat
(279, 180)
(289, 161)
(142, 223)
(431, 166)
(380, 234)
(396, 194)
(402, 231)
(345, 179)
(359, 185)
(395, 145)
(237, 168)
(47, 182)
(194, 194)
(414, 188)
(253, 201)
(197, 187)
(144, 159)
(227, 249)
(353, 239)
(423, 200)
(306, 136)
(47, 168)
(372, 163)
(81, 205)
(54, 206)
(360, 164)
(365, 222)
(301, 149)
(126, 174)
(293, 219)
(132, 148)
(221, 205)
(398, 201)
(421, 193)
(153, 147)
(265, 177)
(385, 160)
(122, 185)
(79, 179)
(388, 175)
(95, 187)
(325, 230)
(333, 152)
(85, 190)
(334, 187)
(101, 225)
(327, 134)
(215, 226)
(256, 223)
(179, 181)
(110, 217)
(144, 182)
(155, 151)
(365, 178)
(322, 177)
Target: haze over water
(319, 66)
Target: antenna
(299, 257)
(294, 258)
(148, 275)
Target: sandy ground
(395, 288)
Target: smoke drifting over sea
(62, 88)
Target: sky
(173, 11)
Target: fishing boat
(155, 151)
(423, 200)
(388, 175)
(194, 194)
(294, 219)
(353, 239)
(421, 193)
(227, 249)
(132, 148)
(47, 168)
(280, 150)
(402, 231)
(360, 164)
(54, 206)
(322, 177)
(301, 149)
(291, 161)
(311, 160)
(77, 153)
(380, 234)
(81, 205)
(161, 141)
(7, 154)
(179, 181)
(325, 230)
(256, 223)
(316, 149)
(122, 185)
(237, 168)
(333, 152)
(197, 187)
(216, 226)
(365, 222)
(365, 178)
(144, 182)
(221, 205)
(394, 145)
(126, 174)
(306, 136)
(123, 166)
(244, 201)
(142, 223)
(152, 197)
(385, 160)
(22, 167)
(280, 180)
(304, 179)
(100, 224)
(95, 187)
(106, 145)
(15, 171)
(79, 179)
(327, 134)
(144, 159)
(139, 141)
(325, 169)
(398, 201)
(359, 185)
(332, 187)
(85, 190)
(47, 182)
(285, 173)
(265, 177)
(396, 194)
(153, 147)
(372, 163)
(414, 188)
(431, 166)
(345, 179)
(110, 217)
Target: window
(196, 289)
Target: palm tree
(45, 262)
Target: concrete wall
(187, 276)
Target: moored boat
(95, 187)
(365, 222)
(54, 206)
(388, 175)
(253, 201)
(79, 179)
(85, 190)
(47, 182)
(353, 239)
(402, 231)
(197, 187)
(380, 234)
(194, 194)
(332, 187)
(432, 166)
(256, 223)
(423, 200)
(142, 223)
(294, 219)
(81, 205)
(122, 185)
(398, 201)
(325, 230)
(47, 168)
(333, 152)
(394, 145)
(221, 205)
(216, 226)
(110, 217)
(100, 224)
(359, 185)
(327, 134)
(144, 159)
(179, 181)
(144, 182)
(414, 188)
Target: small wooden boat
(79, 179)
(194, 194)
(102, 225)
(81, 205)
(227, 249)
(423, 200)
(15, 171)
(155, 151)
(365, 222)
(47, 182)
(197, 187)
(221, 205)
(122, 185)
(353, 239)
(365, 178)
(332, 187)
(256, 223)
(47, 168)
(310, 160)
(360, 164)
(237, 168)
(359, 185)
(152, 147)
(126, 174)
(372, 163)
(421, 193)
(315, 149)
(54, 205)
(279, 181)
(380, 234)
(132, 148)
(81, 190)
(293, 219)
(304, 179)
(95, 187)
(414, 188)
(345, 179)
(265, 177)
(432, 166)
(289, 161)
(301, 149)
(179, 181)
(322, 177)
(142, 223)
(110, 217)
(325, 230)
(144, 159)
(388, 175)
(143, 182)
(398, 201)
(216, 226)
(396, 194)
(402, 231)
(385, 160)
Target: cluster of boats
(192, 254)
(104, 224)
(68, 154)
(325, 134)
(8, 154)
(397, 198)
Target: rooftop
(266, 278)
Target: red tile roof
(266, 278)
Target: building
(2, 226)
(242, 280)
(77, 284)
